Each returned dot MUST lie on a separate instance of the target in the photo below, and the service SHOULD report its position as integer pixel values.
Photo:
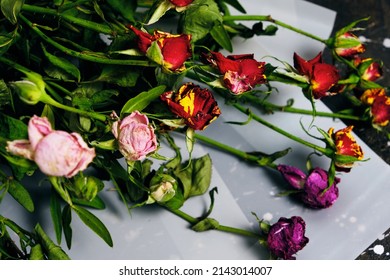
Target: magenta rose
(314, 191)
(56, 152)
(286, 237)
(181, 3)
(135, 136)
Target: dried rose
(240, 72)
(286, 237)
(195, 105)
(56, 152)
(135, 136)
(169, 50)
(379, 105)
(322, 77)
(348, 45)
(314, 191)
(345, 145)
(369, 69)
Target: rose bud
(369, 69)
(380, 111)
(286, 237)
(163, 188)
(240, 72)
(57, 153)
(322, 77)
(136, 138)
(195, 105)
(168, 50)
(345, 145)
(27, 91)
(312, 187)
(181, 3)
(348, 45)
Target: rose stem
(241, 154)
(268, 18)
(289, 109)
(246, 111)
(98, 57)
(229, 229)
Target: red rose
(322, 77)
(379, 105)
(181, 3)
(195, 105)
(348, 45)
(345, 145)
(369, 69)
(240, 72)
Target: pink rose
(135, 136)
(57, 153)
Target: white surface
(342, 232)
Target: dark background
(377, 30)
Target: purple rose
(56, 152)
(136, 138)
(286, 237)
(312, 187)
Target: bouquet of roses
(95, 91)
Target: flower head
(56, 152)
(168, 50)
(286, 237)
(322, 77)
(136, 138)
(345, 145)
(379, 105)
(348, 45)
(195, 105)
(314, 191)
(369, 69)
(240, 72)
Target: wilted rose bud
(56, 152)
(369, 69)
(348, 45)
(286, 237)
(379, 105)
(322, 77)
(86, 187)
(312, 187)
(136, 138)
(168, 50)
(163, 188)
(195, 105)
(345, 145)
(241, 73)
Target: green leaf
(36, 253)
(66, 223)
(94, 224)
(142, 100)
(11, 9)
(63, 69)
(55, 212)
(236, 5)
(11, 128)
(196, 176)
(21, 195)
(96, 203)
(53, 251)
(220, 35)
(200, 18)
(119, 75)
(124, 7)
(205, 224)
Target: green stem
(93, 57)
(239, 153)
(246, 111)
(268, 18)
(289, 109)
(223, 228)
(50, 101)
(100, 28)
